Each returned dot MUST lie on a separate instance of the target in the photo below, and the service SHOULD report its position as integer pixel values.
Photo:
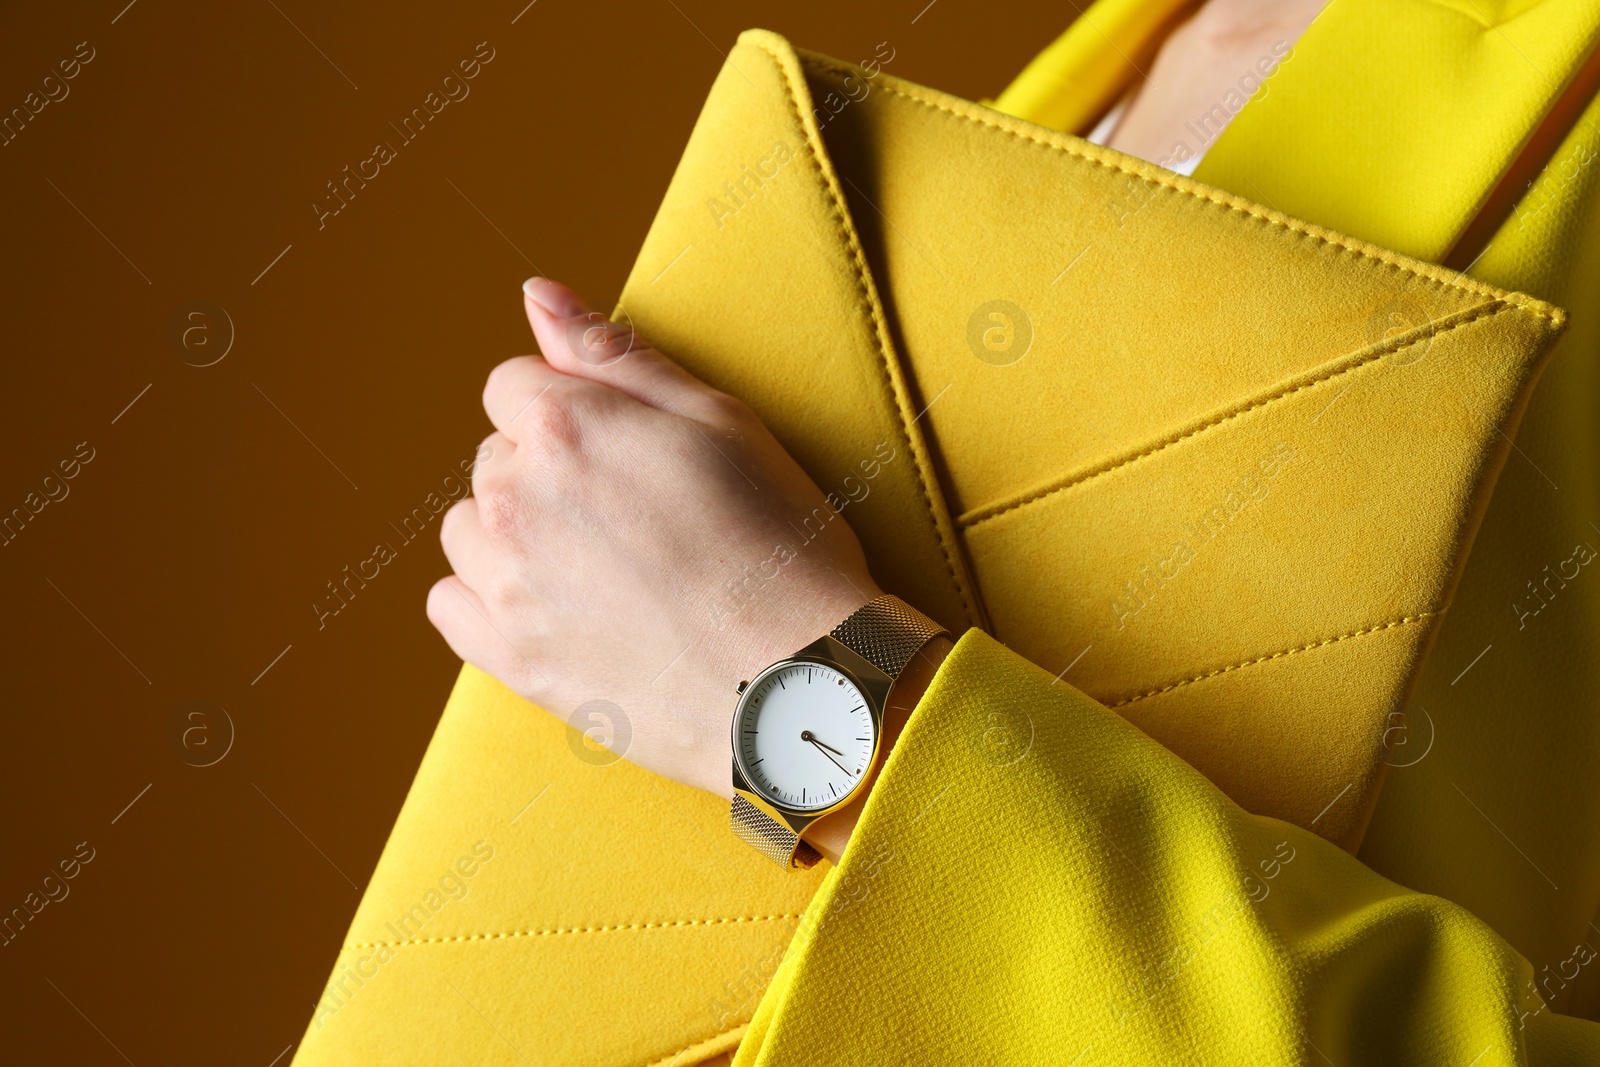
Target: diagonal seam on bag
(716, 1039)
(1313, 646)
(553, 931)
(1365, 358)
(948, 543)
(1189, 187)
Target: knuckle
(597, 340)
(503, 593)
(554, 423)
(731, 409)
(501, 513)
(506, 595)
(520, 675)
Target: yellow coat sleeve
(1034, 880)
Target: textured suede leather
(1167, 497)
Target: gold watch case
(873, 683)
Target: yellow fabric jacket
(1086, 896)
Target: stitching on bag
(1380, 627)
(553, 931)
(1209, 197)
(858, 261)
(981, 515)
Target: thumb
(586, 344)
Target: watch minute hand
(820, 748)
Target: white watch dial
(804, 736)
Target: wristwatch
(806, 730)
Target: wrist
(831, 833)
(761, 634)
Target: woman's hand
(616, 541)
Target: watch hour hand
(807, 735)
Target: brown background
(189, 551)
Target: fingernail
(530, 289)
(555, 299)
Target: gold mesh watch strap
(885, 632)
(770, 837)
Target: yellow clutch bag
(1216, 466)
